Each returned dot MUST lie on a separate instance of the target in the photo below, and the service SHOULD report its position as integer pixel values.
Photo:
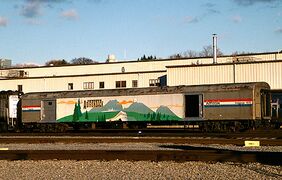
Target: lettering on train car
(92, 103)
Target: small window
(70, 86)
(21, 73)
(20, 88)
(101, 85)
(120, 84)
(88, 85)
(154, 82)
(134, 83)
(50, 103)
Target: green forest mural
(114, 111)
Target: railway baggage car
(221, 106)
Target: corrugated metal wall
(49, 77)
(270, 72)
(200, 75)
(137, 66)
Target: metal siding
(220, 113)
(138, 65)
(133, 66)
(48, 111)
(200, 75)
(61, 83)
(31, 116)
(268, 72)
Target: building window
(88, 85)
(20, 88)
(101, 85)
(70, 86)
(154, 82)
(134, 83)
(120, 84)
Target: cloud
(195, 19)
(70, 14)
(191, 19)
(3, 21)
(33, 22)
(278, 30)
(212, 11)
(209, 5)
(33, 8)
(237, 19)
(252, 2)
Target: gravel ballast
(119, 169)
(54, 169)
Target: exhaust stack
(214, 46)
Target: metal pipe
(214, 46)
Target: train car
(208, 107)
(8, 110)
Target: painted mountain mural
(113, 111)
(112, 105)
(139, 108)
(165, 110)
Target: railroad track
(137, 139)
(277, 134)
(183, 153)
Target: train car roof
(147, 91)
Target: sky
(36, 31)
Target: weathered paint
(31, 108)
(228, 102)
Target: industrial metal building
(237, 72)
(133, 74)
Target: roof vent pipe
(214, 46)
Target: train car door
(194, 106)
(265, 104)
(48, 111)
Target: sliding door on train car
(48, 110)
(265, 104)
(194, 106)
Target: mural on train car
(114, 110)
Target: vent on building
(244, 59)
(111, 58)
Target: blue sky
(35, 31)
